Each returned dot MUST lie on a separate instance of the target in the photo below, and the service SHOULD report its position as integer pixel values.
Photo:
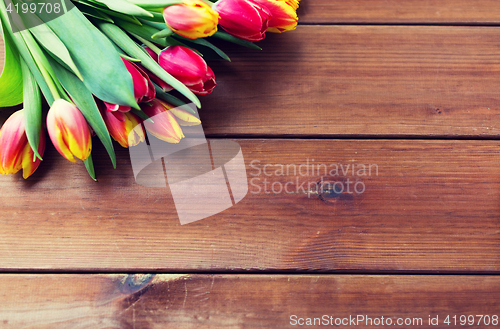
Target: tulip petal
(191, 19)
(68, 131)
(12, 142)
(165, 126)
(29, 166)
(185, 118)
(122, 127)
(284, 16)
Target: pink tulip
(15, 151)
(244, 19)
(69, 131)
(189, 68)
(144, 90)
(163, 85)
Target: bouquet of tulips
(104, 66)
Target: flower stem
(151, 45)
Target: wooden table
(410, 88)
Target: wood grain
(400, 11)
(239, 301)
(360, 80)
(432, 206)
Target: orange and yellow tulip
(283, 14)
(68, 131)
(191, 19)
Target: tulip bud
(68, 131)
(165, 127)
(283, 14)
(122, 127)
(189, 68)
(163, 85)
(191, 19)
(15, 151)
(244, 19)
(144, 90)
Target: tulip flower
(283, 14)
(165, 126)
(125, 128)
(244, 19)
(15, 151)
(69, 131)
(189, 68)
(191, 19)
(163, 85)
(144, 90)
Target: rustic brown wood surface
(426, 206)
(400, 12)
(361, 80)
(245, 301)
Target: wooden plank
(360, 80)
(426, 206)
(400, 11)
(244, 301)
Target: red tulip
(125, 128)
(144, 90)
(189, 68)
(15, 151)
(244, 19)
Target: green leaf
(102, 8)
(25, 54)
(143, 31)
(89, 165)
(92, 12)
(32, 104)
(85, 102)
(142, 115)
(172, 100)
(125, 7)
(228, 37)
(124, 42)
(49, 40)
(154, 3)
(157, 17)
(11, 80)
(162, 34)
(156, 25)
(104, 73)
(41, 59)
(203, 42)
